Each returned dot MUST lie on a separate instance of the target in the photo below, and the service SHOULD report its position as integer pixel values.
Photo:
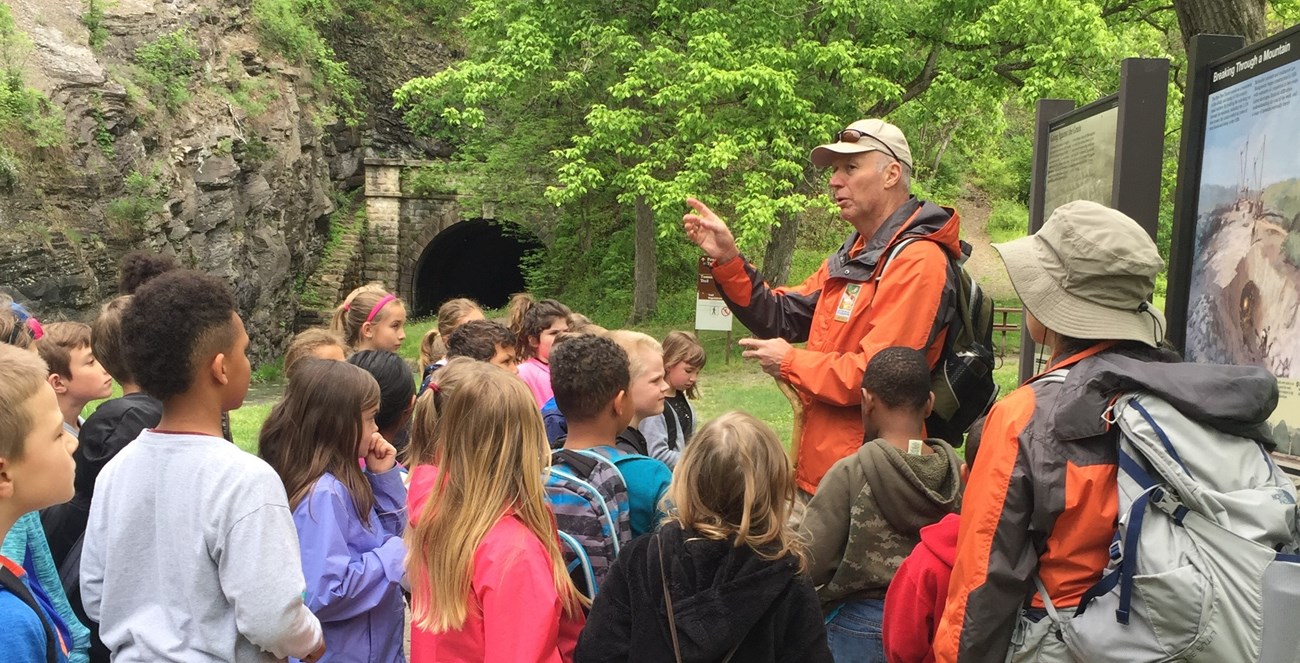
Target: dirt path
(984, 264)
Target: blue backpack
(588, 496)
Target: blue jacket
(557, 427)
(22, 634)
(354, 571)
(25, 543)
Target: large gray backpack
(1203, 566)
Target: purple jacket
(354, 572)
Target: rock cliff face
(233, 168)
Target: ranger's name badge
(847, 300)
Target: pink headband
(382, 303)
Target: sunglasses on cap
(856, 135)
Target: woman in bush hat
(1041, 503)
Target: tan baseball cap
(1087, 274)
(865, 136)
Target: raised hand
(381, 456)
(709, 232)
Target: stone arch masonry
(387, 249)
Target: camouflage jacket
(867, 515)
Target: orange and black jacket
(1042, 496)
(847, 311)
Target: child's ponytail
(451, 315)
(431, 349)
(516, 310)
(529, 318)
(422, 449)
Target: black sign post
(1046, 111)
(1109, 151)
(1203, 51)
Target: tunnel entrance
(478, 258)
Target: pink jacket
(537, 375)
(515, 613)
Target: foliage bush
(291, 28)
(126, 216)
(93, 19)
(1008, 220)
(27, 119)
(251, 94)
(167, 66)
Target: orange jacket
(1042, 499)
(847, 311)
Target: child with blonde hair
(667, 433)
(723, 578)
(371, 319)
(350, 521)
(647, 389)
(433, 347)
(537, 324)
(36, 459)
(487, 579)
(317, 343)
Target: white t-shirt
(191, 554)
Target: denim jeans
(853, 632)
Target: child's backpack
(588, 496)
(1203, 564)
(962, 381)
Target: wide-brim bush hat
(1088, 273)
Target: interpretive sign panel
(1243, 304)
(1081, 155)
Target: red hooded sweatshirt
(915, 600)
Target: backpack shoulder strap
(945, 316)
(612, 457)
(581, 462)
(671, 424)
(15, 585)
(898, 248)
(1055, 377)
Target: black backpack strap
(671, 423)
(70, 569)
(947, 315)
(15, 586)
(583, 464)
(632, 441)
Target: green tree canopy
(636, 105)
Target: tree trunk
(1225, 17)
(645, 287)
(780, 251)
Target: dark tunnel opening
(480, 259)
